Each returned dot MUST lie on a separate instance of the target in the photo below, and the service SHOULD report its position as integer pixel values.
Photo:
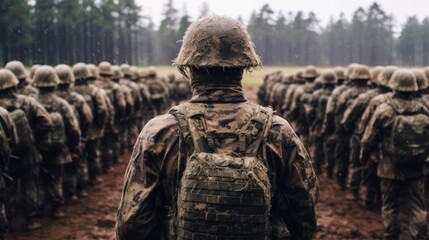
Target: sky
(324, 9)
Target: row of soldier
(60, 129)
(368, 128)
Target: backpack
(56, 138)
(23, 129)
(222, 195)
(409, 137)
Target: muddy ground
(94, 217)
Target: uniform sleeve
(294, 108)
(353, 113)
(120, 103)
(39, 118)
(85, 116)
(101, 109)
(296, 189)
(141, 213)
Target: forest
(68, 31)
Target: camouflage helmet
(65, 74)
(105, 69)
(126, 69)
(7, 79)
(81, 71)
(329, 77)
(403, 81)
(33, 69)
(350, 69)
(385, 75)
(151, 71)
(216, 41)
(298, 76)
(117, 72)
(375, 71)
(360, 72)
(135, 75)
(422, 81)
(339, 71)
(45, 76)
(17, 68)
(310, 72)
(93, 72)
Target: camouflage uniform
(359, 78)
(96, 100)
(151, 178)
(319, 101)
(8, 140)
(110, 146)
(54, 159)
(158, 92)
(397, 180)
(23, 166)
(75, 173)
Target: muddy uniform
(397, 180)
(95, 99)
(150, 178)
(158, 93)
(350, 122)
(75, 175)
(54, 159)
(8, 140)
(23, 166)
(331, 123)
(136, 112)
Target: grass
(253, 78)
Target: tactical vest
(56, 140)
(222, 195)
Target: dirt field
(94, 217)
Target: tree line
(68, 31)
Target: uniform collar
(218, 92)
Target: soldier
(219, 109)
(301, 110)
(422, 84)
(319, 101)
(372, 198)
(110, 146)
(95, 99)
(8, 139)
(32, 124)
(297, 80)
(358, 84)
(331, 122)
(24, 86)
(400, 127)
(350, 123)
(129, 109)
(62, 144)
(158, 91)
(75, 173)
(33, 70)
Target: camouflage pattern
(45, 76)
(154, 165)
(397, 180)
(7, 79)
(158, 94)
(20, 72)
(216, 41)
(403, 81)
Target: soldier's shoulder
(160, 123)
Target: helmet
(117, 73)
(93, 72)
(339, 71)
(360, 72)
(135, 75)
(375, 71)
(217, 41)
(81, 71)
(7, 79)
(33, 69)
(310, 72)
(45, 76)
(385, 75)
(151, 71)
(329, 77)
(105, 69)
(298, 77)
(403, 81)
(17, 68)
(65, 74)
(126, 69)
(422, 81)
(350, 69)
